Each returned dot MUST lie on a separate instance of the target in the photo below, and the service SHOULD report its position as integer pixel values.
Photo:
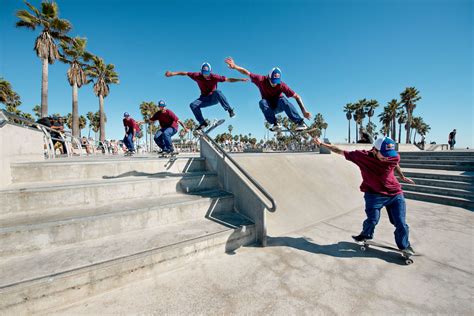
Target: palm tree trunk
(102, 118)
(394, 129)
(357, 132)
(44, 88)
(75, 112)
(349, 132)
(408, 126)
(399, 133)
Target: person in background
(452, 139)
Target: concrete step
(439, 199)
(436, 166)
(439, 162)
(24, 235)
(29, 200)
(468, 186)
(440, 174)
(32, 283)
(72, 170)
(465, 194)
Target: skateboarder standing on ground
(168, 127)
(381, 188)
(207, 83)
(273, 102)
(131, 127)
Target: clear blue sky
(330, 52)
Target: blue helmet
(126, 114)
(162, 103)
(206, 68)
(275, 75)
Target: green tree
(75, 55)
(392, 108)
(94, 122)
(386, 120)
(148, 109)
(37, 111)
(9, 97)
(370, 107)
(409, 97)
(52, 29)
(349, 109)
(401, 119)
(230, 128)
(102, 75)
(359, 115)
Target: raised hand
(245, 79)
(168, 74)
(317, 141)
(230, 62)
(307, 115)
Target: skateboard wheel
(408, 261)
(363, 248)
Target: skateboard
(210, 128)
(171, 155)
(129, 154)
(366, 244)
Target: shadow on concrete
(342, 249)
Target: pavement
(317, 270)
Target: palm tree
(392, 108)
(385, 119)
(402, 119)
(359, 109)
(416, 124)
(53, 28)
(37, 111)
(9, 97)
(230, 128)
(148, 109)
(348, 109)
(82, 123)
(409, 97)
(94, 122)
(75, 54)
(370, 107)
(103, 74)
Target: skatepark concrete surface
(317, 270)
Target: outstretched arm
(332, 148)
(298, 99)
(175, 73)
(236, 79)
(402, 176)
(230, 62)
(184, 127)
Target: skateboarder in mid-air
(168, 127)
(381, 188)
(207, 82)
(273, 102)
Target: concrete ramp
(307, 187)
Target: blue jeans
(282, 105)
(128, 141)
(208, 100)
(163, 138)
(396, 210)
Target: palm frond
(33, 8)
(25, 24)
(61, 25)
(49, 9)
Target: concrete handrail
(245, 173)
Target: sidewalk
(318, 271)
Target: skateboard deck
(214, 124)
(366, 244)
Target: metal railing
(70, 142)
(245, 173)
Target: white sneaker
(275, 128)
(301, 127)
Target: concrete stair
(63, 237)
(440, 177)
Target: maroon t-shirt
(209, 85)
(166, 119)
(131, 124)
(377, 175)
(269, 93)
